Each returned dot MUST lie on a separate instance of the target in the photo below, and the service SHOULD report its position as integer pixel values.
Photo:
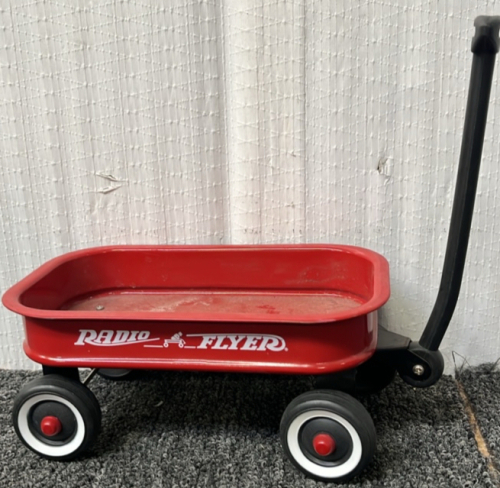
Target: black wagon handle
(485, 46)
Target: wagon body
(286, 309)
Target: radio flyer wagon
(297, 309)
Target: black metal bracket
(388, 341)
(415, 364)
(70, 373)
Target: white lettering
(104, 337)
(121, 336)
(207, 341)
(231, 342)
(241, 342)
(218, 343)
(143, 335)
(113, 338)
(86, 335)
(235, 340)
(272, 343)
(251, 343)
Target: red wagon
(283, 309)
(296, 309)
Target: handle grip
(486, 38)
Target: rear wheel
(56, 417)
(328, 435)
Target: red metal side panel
(264, 348)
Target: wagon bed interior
(298, 284)
(269, 302)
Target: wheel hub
(52, 422)
(50, 426)
(324, 444)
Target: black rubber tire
(57, 392)
(116, 374)
(341, 409)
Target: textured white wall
(247, 122)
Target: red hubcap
(324, 444)
(50, 426)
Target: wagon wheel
(56, 417)
(116, 374)
(328, 435)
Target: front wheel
(328, 435)
(56, 417)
